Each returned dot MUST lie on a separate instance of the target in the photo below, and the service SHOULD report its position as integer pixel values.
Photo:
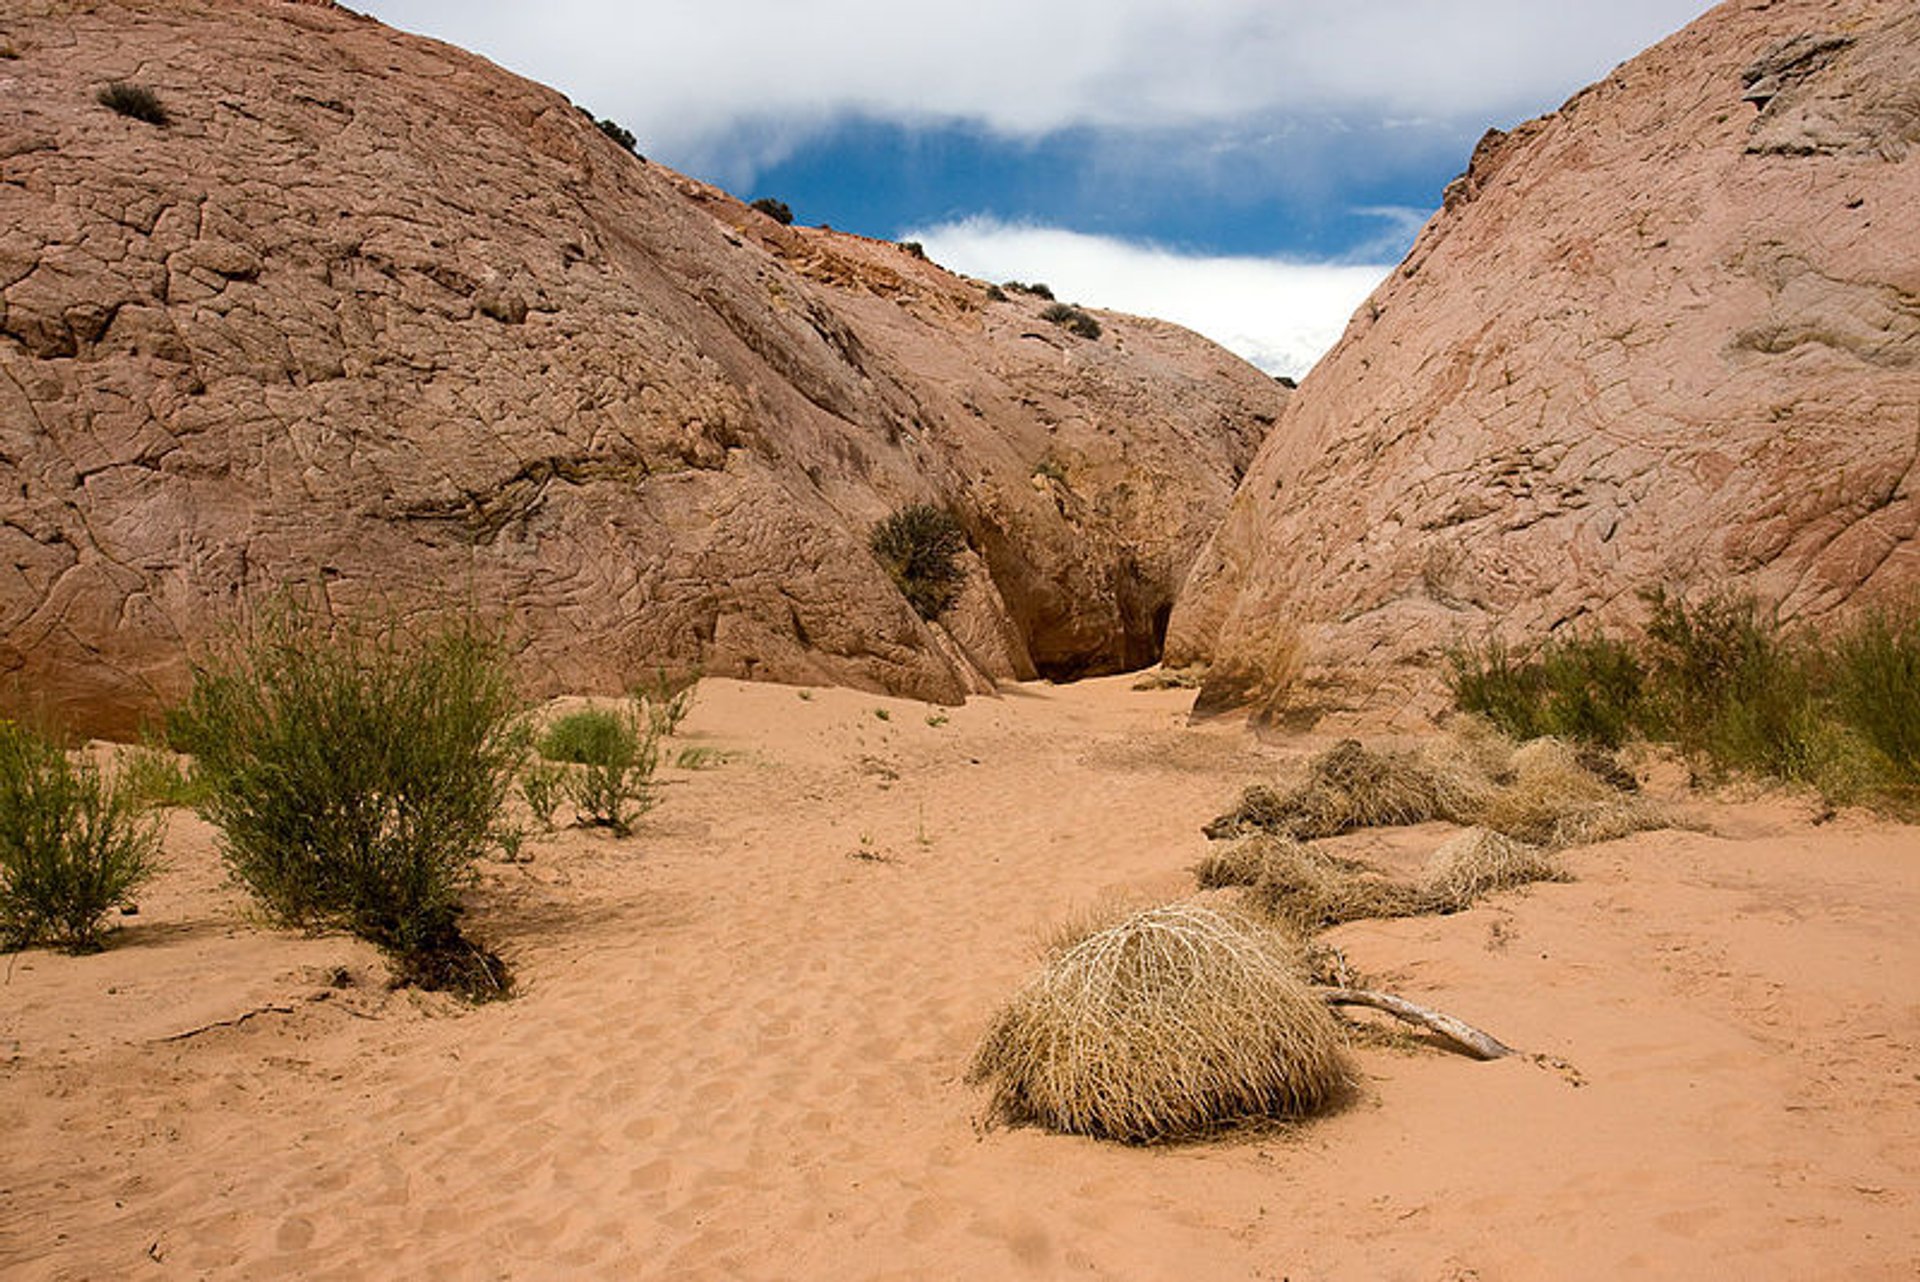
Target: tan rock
(373, 316)
(1668, 335)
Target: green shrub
(620, 134)
(357, 776)
(154, 777)
(920, 546)
(1072, 319)
(72, 844)
(1875, 684)
(995, 294)
(1036, 290)
(613, 753)
(1583, 688)
(915, 248)
(1730, 688)
(774, 209)
(1723, 681)
(542, 787)
(137, 101)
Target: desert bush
(774, 209)
(73, 844)
(543, 787)
(1875, 684)
(914, 248)
(1174, 1021)
(155, 776)
(920, 546)
(356, 776)
(1072, 319)
(614, 753)
(1732, 689)
(137, 101)
(995, 294)
(620, 134)
(1579, 687)
(1039, 290)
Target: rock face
(1668, 336)
(371, 316)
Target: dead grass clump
(1311, 891)
(1478, 863)
(1348, 786)
(1304, 887)
(1174, 1021)
(1239, 863)
(1557, 802)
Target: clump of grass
(1304, 887)
(1348, 786)
(357, 774)
(1164, 678)
(1072, 319)
(1172, 1022)
(1480, 862)
(920, 547)
(1556, 799)
(135, 101)
(1301, 885)
(73, 844)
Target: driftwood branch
(1462, 1034)
(235, 1022)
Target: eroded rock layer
(1667, 336)
(370, 315)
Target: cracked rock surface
(1668, 335)
(371, 316)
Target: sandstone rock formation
(1668, 335)
(370, 315)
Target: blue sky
(1249, 168)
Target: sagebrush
(357, 774)
(74, 844)
(1732, 687)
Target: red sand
(739, 1047)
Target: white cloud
(688, 75)
(1280, 315)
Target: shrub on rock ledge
(920, 546)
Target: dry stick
(235, 1022)
(1462, 1034)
